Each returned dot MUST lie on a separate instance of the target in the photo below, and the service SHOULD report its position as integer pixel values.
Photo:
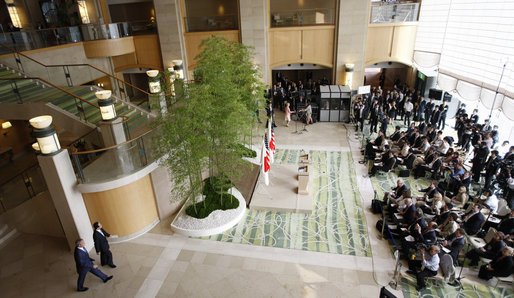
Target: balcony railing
(37, 39)
(117, 161)
(212, 23)
(304, 17)
(394, 13)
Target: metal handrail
(53, 85)
(75, 152)
(84, 64)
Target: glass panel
(119, 161)
(212, 23)
(303, 17)
(394, 13)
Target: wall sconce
(13, 13)
(179, 69)
(154, 82)
(107, 108)
(6, 125)
(45, 135)
(348, 68)
(84, 16)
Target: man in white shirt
(429, 266)
(443, 148)
(490, 200)
(408, 111)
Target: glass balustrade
(394, 13)
(212, 23)
(304, 17)
(37, 39)
(21, 188)
(115, 162)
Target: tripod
(457, 281)
(300, 117)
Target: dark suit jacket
(398, 191)
(428, 237)
(101, 244)
(473, 224)
(502, 266)
(389, 164)
(456, 245)
(82, 260)
(408, 215)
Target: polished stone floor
(163, 264)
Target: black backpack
(376, 206)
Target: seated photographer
(455, 242)
(501, 266)
(429, 264)
(489, 251)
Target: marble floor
(163, 264)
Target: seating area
(448, 200)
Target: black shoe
(411, 272)
(108, 278)
(112, 266)
(421, 289)
(83, 289)
(454, 283)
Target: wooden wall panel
(318, 46)
(124, 210)
(313, 44)
(391, 42)
(404, 40)
(120, 62)
(109, 47)
(194, 39)
(148, 51)
(285, 46)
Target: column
(352, 32)
(69, 204)
(254, 32)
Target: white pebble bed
(217, 222)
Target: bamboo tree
(210, 117)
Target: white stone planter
(217, 222)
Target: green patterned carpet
(336, 225)
(437, 288)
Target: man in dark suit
(436, 116)
(455, 242)
(102, 246)
(85, 264)
(473, 220)
(385, 167)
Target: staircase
(17, 88)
